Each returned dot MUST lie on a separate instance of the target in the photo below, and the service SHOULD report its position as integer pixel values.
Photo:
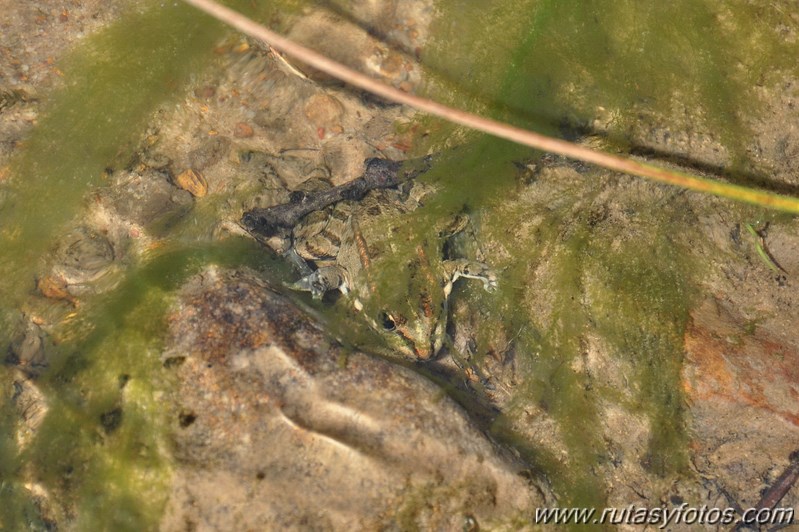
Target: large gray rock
(279, 427)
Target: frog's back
(319, 236)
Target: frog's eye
(387, 321)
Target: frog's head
(415, 330)
(411, 316)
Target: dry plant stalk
(494, 127)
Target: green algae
(113, 82)
(550, 382)
(102, 451)
(635, 303)
(555, 67)
(552, 66)
(550, 72)
(640, 304)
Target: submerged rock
(279, 426)
(148, 199)
(741, 384)
(83, 256)
(27, 349)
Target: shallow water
(107, 352)
(546, 65)
(555, 67)
(113, 81)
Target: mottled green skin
(394, 278)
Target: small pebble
(205, 92)
(192, 181)
(242, 131)
(324, 111)
(53, 288)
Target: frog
(400, 281)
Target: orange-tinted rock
(726, 361)
(242, 130)
(192, 181)
(53, 288)
(324, 111)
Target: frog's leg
(474, 375)
(469, 269)
(460, 239)
(455, 225)
(298, 262)
(454, 270)
(323, 280)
